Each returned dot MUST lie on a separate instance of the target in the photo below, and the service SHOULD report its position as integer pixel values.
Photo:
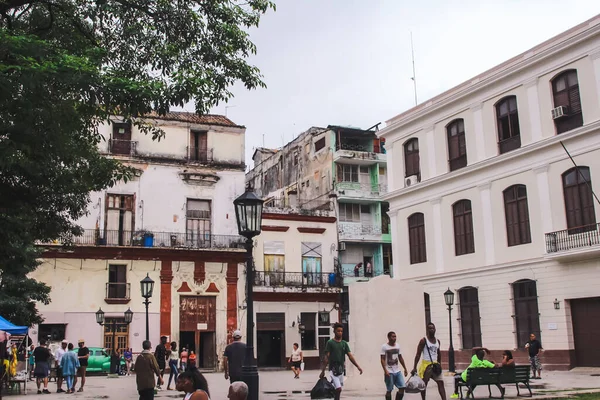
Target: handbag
(436, 368)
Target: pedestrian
(194, 385)
(83, 354)
(233, 358)
(336, 350)
(369, 269)
(357, 268)
(477, 361)
(238, 391)
(535, 349)
(191, 361)
(428, 351)
(128, 356)
(69, 364)
(391, 358)
(173, 361)
(183, 357)
(58, 355)
(160, 353)
(42, 356)
(146, 368)
(507, 359)
(31, 362)
(296, 360)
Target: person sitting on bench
(507, 359)
(477, 361)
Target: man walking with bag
(391, 358)
(428, 351)
(335, 355)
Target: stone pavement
(281, 385)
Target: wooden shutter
(526, 310)
(469, 317)
(416, 238)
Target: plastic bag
(323, 389)
(414, 384)
(301, 366)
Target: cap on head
(65, 341)
(237, 334)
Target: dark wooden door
(585, 314)
(121, 140)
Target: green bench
(496, 376)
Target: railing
(574, 238)
(190, 240)
(357, 147)
(199, 154)
(356, 230)
(352, 189)
(118, 290)
(122, 147)
(297, 279)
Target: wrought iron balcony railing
(297, 279)
(357, 147)
(356, 230)
(572, 239)
(122, 147)
(118, 290)
(360, 189)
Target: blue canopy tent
(9, 327)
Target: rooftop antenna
(263, 140)
(414, 77)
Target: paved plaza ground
(281, 385)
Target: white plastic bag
(301, 366)
(414, 384)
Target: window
(52, 332)
(517, 215)
(117, 282)
(411, 158)
(469, 317)
(199, 146)
(565, 88)
(198, 223)
(579, 200)
(457, 146)
(416, 238)
(274, 267)
(309, 338)
(121, 334)
(427, 308)
(324, 331)
(509, 135)
(120, 219)
(463, 228)
(349, 212)
(120, 143)
(347, 173)
(319, 144)
(311, 264)
(527, 317)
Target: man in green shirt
(335, 355)
(477, 361)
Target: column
(533, 103)
(544, 204)
(392, 178)
(437, 234)
(431, 157)
(199, 272)
(479, 134)
(488, 222)
(166, 277)
(596, 62)
(395, 270)
(232, 305)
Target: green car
(99, 361)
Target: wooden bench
(496, 376)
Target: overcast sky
(348, 62)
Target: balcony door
(117, 282)
(121, 139)
(198, 223)
(199, 146)
(311, 263)
(119, 222)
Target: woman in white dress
(193, 384)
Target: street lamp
(147, 287)
(449, 299)
(248, 214)
(128, 317)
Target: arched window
(469, 317)
(411, 158)
(464, 243)
(427, 308)
(516, 212)
(416, 238)
(457, 145)
(509, 134)
(567, 103)
(527, 317)
(579, 200)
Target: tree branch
(11, 4)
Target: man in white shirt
(391, 358)
(58, 355)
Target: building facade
(498, 211)
(174, 221)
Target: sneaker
(454, 396)
(46, 391)
(39, 392)
(60, 391)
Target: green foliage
(68, 65)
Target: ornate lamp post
(147, 287)
(248, 213)
(449, 299)
(114, 358)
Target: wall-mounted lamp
(556, 304)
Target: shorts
(296, 364)
(337, 380)
(395, 379)
(535, 362)
(42, 370)
(81, 370)
(428, 374)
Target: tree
(68, 65)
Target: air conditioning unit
(411, 180)
(559, 112)
(342, 246)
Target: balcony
(300, 280)
(356, 231)
(122, 147)
(357, 153)
(201, 155)
(357, 190)
(174, 240)
(318, 207)
(575, 243)
(117, 293)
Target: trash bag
(414, 384)
(323, 389)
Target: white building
(498, 213)
(175, 222)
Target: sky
(348, 62)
